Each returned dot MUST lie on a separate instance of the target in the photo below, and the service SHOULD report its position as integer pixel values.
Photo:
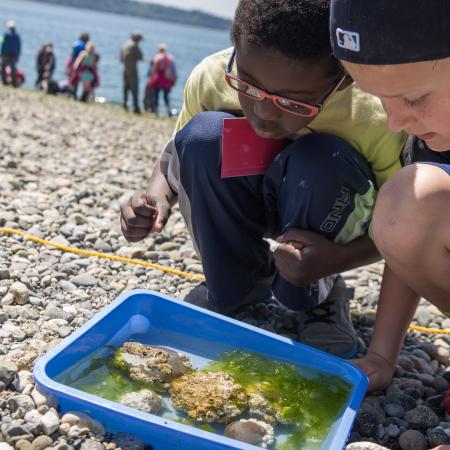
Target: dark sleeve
(417, 150)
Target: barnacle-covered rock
(260, 408)
(151, 364)
(208, 396)
(145, 400)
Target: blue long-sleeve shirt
(11, 44)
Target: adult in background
(163, 77)
(45, 64)
(10, 53)
(410, 72)
(77, 47)
(130, 55)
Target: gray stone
(145, 400)
(394, 410)
(50, 422)
(67, 286)
(41, 442)
(83, 420)
(4, 273)
(15, 431)
(406, 384)
(102, 246)
(23, 444)
(90, 444)
(422, 417)
(5, 446)
(21, 404)
(365, 446)
(23, 380)
(392, 430)
(38, 398)
(438, 436)
(84, 279)
(8, 371)
(20, 293)
(412, 440)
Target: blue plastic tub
(202, 335)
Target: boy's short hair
(298, 29)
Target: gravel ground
(64, 170)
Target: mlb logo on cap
(348, 39)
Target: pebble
(8, 371)
(422, 417)
(365, 446)
(84, 279)
(20, 293)
(412, 440)
(438, 436)
(50, 421)
(41, 443)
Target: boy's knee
(325, 159)
(199, 141)
(408, 211)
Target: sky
(219, 7)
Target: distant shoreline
(148, 11)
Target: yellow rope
(165, 269)
(411, 327)
(78, 251)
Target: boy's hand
(143, 214)
(304, 257)
(378, 369)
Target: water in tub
(272, 403)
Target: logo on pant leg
(335, 215)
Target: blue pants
(318, 183)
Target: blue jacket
(11, 44)
(77, 47)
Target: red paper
(244, 152)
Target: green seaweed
(106, 381)
(310, 404)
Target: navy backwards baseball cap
(390, 31)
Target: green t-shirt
(351, 114)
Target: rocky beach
(65, 168)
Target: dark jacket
(11, 44)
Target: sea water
(310, 401)
(38, 23)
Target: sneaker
(328, 327)
(198, 296)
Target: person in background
(130, 55)
(410, 72)
(85, 69)
(45, 64)
(163, 77)
(10, 53)
(77, 47)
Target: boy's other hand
(304, 257)
(378, 369)
(143, 214)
